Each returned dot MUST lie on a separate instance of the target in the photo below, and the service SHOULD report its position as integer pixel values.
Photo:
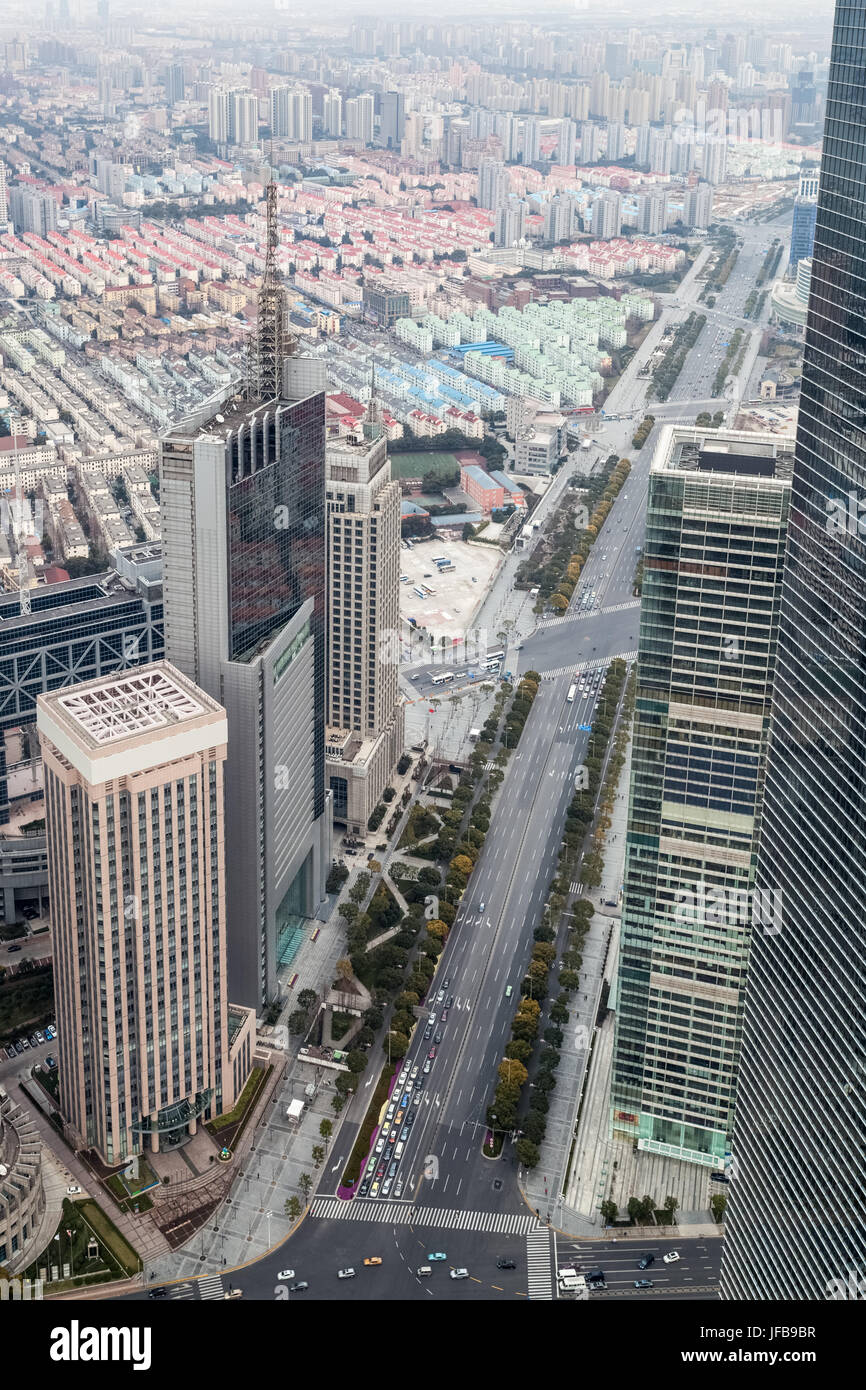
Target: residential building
(243, 118)
(359, 118)
(134, 811)
(607, 215)
(493, 184)
(332, 113)
(392, 119)
(32, 211)
(717, 516)
(174, 83)
(218, 115)
(795, 1216)
(364, 736)
(510, 223)
(23, 1194)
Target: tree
(317, 1155)
(305, 1182)
(609, 1212)
(513, 1072)
(527, 1153)
(462, 864)
(671, 1205)
(717, 1207)
(292, 1208)
(348, 911)
(344, 968)
(298, 1021)
(397, 1045)
(326, 1129)
(337, 1103)
(534, 1127)
(356, 1061)
(307, 998)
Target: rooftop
(133, 704)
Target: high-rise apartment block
(242, 503)
(364, 737)
(332, 113)
(392, 119)
(715, 542)
(493, 184)
(292, 113)
(607, 215)
(359, 118)
(134, 808)
(32, 211)
(795, 1213)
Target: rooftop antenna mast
(271, 344)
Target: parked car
(13, 949)
(51, 1062)
(73, 1191)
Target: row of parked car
(35, 1040)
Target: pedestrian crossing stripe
(582, 614)
(577, 666)
(538, 1270)
(404, 1213)
(210, 1286)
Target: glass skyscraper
(715, 541)
(797, 1206)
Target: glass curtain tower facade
(797, 1205)
(715, 541)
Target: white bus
(572, 691)
(440, 680)
(495, 656)
(438, 559)
(419, 592)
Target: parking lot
(449, 610)
(21, 1047)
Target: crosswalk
(538, 1269)
(184, 1290)
(211, 1286)
(577, 666)
(404, 1214)
(577, 614)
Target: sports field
(416, 464)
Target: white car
(286, 1274)
(345, 1273)
(73, 1191)
(671, 1257)
(459, 1273)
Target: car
(719, 1177)
(428, 1032)
(446, 982)
(51, 1062)
(440, 996)
(443, 1017)
(345, 1273)
(415, 1071)
(13, 949)
(73, 1191)
(380, 1171)
(286, 1274)
(437, 1255)
(497, 1185)
(161, 1292)
(643, 1283)
(373, 1260)
(299, 1288)
(40, 1038)
(671, 1257)
(398, 1188)
(19, 1048)
(364, 1188)
(374, 1190)
(506, 1264)
(646, 1262)
(481, 906)
(431, 1054)
(411, 1116)
(11, 1053)
(386, 1186)
(438, 1037)
(380, 1143)
(508, 991)
(427, 1066)
(449, 1001)
(392, 1171)
(459, 1273)
(405, 1101)
(34, 1041)
(25, 1044)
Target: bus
(446, 676)
(491, 665)
(495, 656)
(439, 559)
(446, 569)
(572, 691)
(427, 590)
(419, 592)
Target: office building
(803, 226)
(795, 1217)
(385, 305)
(359, 118)
(493, 184)
(243, 534)
(22, 1196)
(77, 629)
(715, 542)
(364, 736)
(134, 811)
(392, 118)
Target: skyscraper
(218, 115)
(715, 540)
(174, 83)
(795, 1218)
(607, 215)
(136, 856)
(332, 113)
(243, 118)
(242, 501)
(392, 119)
(4, 200)
(364, 736)
(803, 225)
(493, 184)
(510, 223)
(359, 118)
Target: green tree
(513, 1072)
(609, 1212)
(326, 1129)
(292, 1208)
(317, 1154)
(527, 1153)
(397, 1045)
(305, 1182)
(356, 1061)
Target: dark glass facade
(797, 1206)
(276, 543)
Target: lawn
(78, 1224)
(418, 462)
